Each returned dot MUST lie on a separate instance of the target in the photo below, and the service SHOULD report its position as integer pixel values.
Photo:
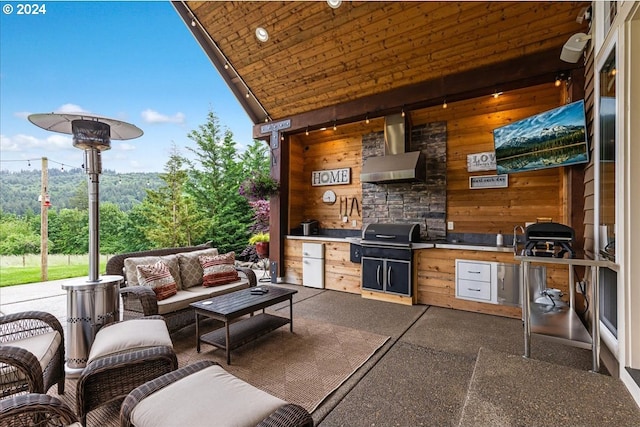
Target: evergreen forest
(194, 200)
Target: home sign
(481, 161)
(331, 177)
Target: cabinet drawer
(474, 271)
(473, 289)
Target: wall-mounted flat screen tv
(554, 138)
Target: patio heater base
(90, 306)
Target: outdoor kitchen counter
(421, 245)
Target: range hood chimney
(397, 165)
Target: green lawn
(22, 270)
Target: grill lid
(549, 231)
(391, 234)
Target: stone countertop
(420, 245)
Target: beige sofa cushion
(131, 273)
(190, 268)
(127, 335)
(197, 293)
(211, 396)
(43, 347)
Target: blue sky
(132, 61)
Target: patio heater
(94, 301)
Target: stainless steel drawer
(474, 271)
(473, 289)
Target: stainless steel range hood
(396, 165)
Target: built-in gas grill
(387, 257)
(549, 239)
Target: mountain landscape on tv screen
(553, 138)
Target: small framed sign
(331, 177)
(489, 181)
(481, 161)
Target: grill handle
(386, 236)
(389, 277)
(378, 274)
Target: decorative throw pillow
(131, 272)
(218, 269)
(159, 278)
(190, 268)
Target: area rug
(303, 367)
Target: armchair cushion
(44, 347)
(124, 336)
(209, 392)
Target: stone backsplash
(424, 203)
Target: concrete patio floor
(440, 367)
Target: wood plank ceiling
(318, 58)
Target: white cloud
(152, 116)
(21, 142)
(22, 114)
(124, 146)
(70, 108)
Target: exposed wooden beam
(513, 74)
(253, 108)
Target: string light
(496, 94)
(558, 81)
(402, 112)
(306, 132)
(444, 103)
(334, 125)
(366, 120)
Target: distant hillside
(19, 191)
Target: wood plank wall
(470, 125)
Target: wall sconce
(572, 49)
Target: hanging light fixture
(306, 132)
(334, 125)
(444, 104)
(402, 111)
(366, 119)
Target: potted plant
(261, 242)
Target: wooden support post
(44, 221)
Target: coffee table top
(243, 300)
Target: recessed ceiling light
(334, 4)
(262, 34)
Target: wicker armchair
(140, 301)
(35, 410)
(20, 369)
(111, 377)
(288, 415)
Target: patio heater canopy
(62, 123)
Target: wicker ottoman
(204, 394)
(123, 356)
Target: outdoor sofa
(183, 262)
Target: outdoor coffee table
(231, 306)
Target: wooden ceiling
(324, 64)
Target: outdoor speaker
(572, 49)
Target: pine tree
(173, 218)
